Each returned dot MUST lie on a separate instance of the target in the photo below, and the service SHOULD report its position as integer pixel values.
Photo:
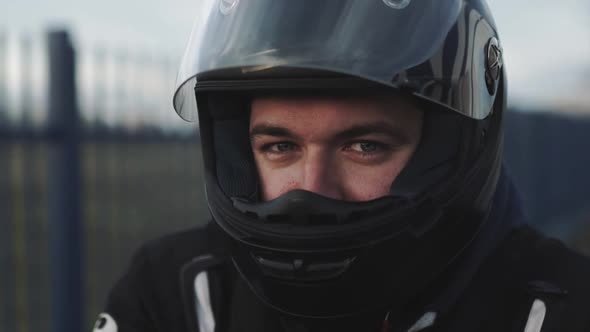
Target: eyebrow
(272, 130)
(387, 129)
(395, 132)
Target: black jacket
(512, 279)
(157, 292)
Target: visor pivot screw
(494, 63)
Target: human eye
(368, 151)
(366, 147)
(277, 151)
(279, 147)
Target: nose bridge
(319, 175)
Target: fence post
(3, 82)
(26, 72)
(64, 189)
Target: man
(353, 167)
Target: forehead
(328, 112)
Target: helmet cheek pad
(235, 168)
(437, 156)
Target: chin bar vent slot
(302, 269)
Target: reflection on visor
(397, 4)
(398, 43)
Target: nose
(319, 175)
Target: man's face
(344, 148)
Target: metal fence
(93, 162)
(91, 166)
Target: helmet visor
(378, 40)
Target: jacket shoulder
(538, 257)
(172, 251)
(150, 296)
(554, 273)
(527, 274)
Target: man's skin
(344, 148)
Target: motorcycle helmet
(307, 255)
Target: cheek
(367, 182)
(275, 182)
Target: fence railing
(82, 177)
(119, 89)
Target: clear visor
(378, 40)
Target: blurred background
(94, 161)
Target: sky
(546, 42)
